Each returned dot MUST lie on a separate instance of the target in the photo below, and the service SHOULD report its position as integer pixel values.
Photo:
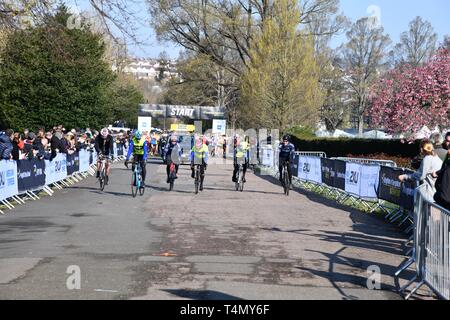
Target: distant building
(150, 69)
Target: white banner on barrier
(56, 170)
(115, 150)
(309, 169)
(8, 179)
(353, 178)
(84, 160)
(267, 157)
(370, 175)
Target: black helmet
(287, 137)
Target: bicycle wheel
(102, 180)
(197, 180)
(241, 184)
(171, 177)
(134, 185)
(238, 178)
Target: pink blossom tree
(408, 98)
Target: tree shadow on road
(201, 294)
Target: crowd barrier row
(375, 184)
(24, 179)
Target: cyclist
(199, 155)
(241, 149)
(172, 153)
(287, 153)
(139, 148)
(104, 145)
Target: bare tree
(416, 45)
(363, 57)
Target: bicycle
(239, 184)
(136, 180)
(102, 178)
(285, 181)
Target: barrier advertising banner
(267, 157)
(8, 179)
(84, 160)
(295, 166)
(370, 175)
(340, 168)
(30, 174)
(389, 187)
(407, 193)
(56, 170)
(328, 171)
(73, 163)
(352, 178)
(309, 169)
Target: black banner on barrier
(73, 163)
(389, 187)
(295, 166)
(30, 174)
(328, 171)
(407, 193)
(339, 174)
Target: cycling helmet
(138, 135)
(173, 138)
(104, 132)
(287, 137)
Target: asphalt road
(219, 244)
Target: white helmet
(104, 132)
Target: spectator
(25, 134)
(6, 145)
(70, 143)
(17, 147)
(446, 146)
(430, 163)
(438, 144)
(28, 147)
(442, 196)
(57, 144)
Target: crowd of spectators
(433, 169)
(46, 144)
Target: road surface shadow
(201, 294)
(245, 190)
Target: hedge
(341, 147)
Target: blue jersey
(287, 151)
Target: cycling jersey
(104, 146)
(287, 151)
(138, 147)
(199, 154)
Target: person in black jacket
(57, 145)
(6, 146)
(442, 195)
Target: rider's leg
(280, 169)
(99, 168)
(144, 171)
(168, 172)
(193, 171)
(289, 172)
(244, 170)
(202, 176)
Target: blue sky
(395, 16)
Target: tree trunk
(360, 124)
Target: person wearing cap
(430, 164)
(104, 145)
(172, 153)
(199, 155)
(139, 149)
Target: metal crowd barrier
(68, 181)
(386, 163)
(431, 248)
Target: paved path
(220, 244)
